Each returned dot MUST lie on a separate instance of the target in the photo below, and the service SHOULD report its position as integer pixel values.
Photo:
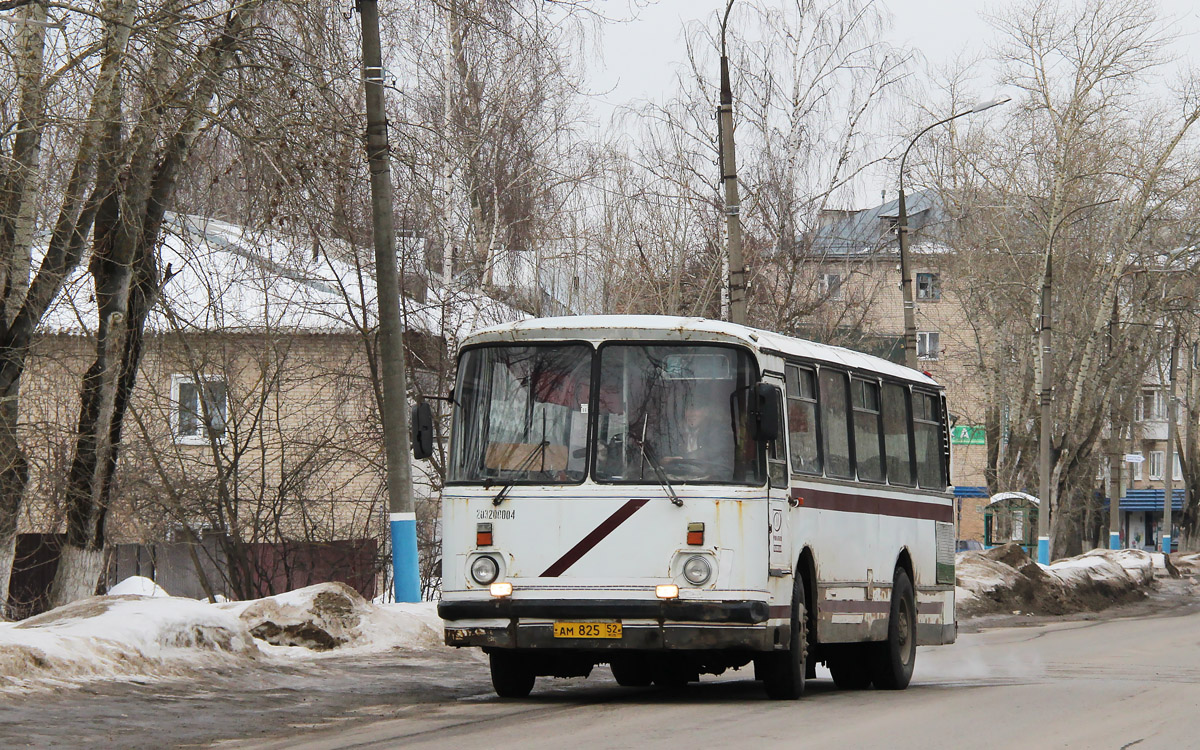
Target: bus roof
(673, 328)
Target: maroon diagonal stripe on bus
(872, 504)
(585, 545)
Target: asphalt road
(1124, 678)
(1102, 684)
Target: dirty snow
(155, 636)
(120, 636)
(332, 617)
(1006, 579)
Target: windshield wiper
(662, 476)
(647, 456)
(537, 452)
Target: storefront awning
(1152, 500)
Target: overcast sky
(638, 59)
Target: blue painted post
(1166, 543)
(1044, 550)
(1114, 540)
(405, 578)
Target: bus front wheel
(894, 661)
(783, 672)
(512, 676)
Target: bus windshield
(522, 414)
(675, 409)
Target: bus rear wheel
(783, 672)
(896, 657)
(512, 677)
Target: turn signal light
(501, 589)
(666, 591)
(483, 535)
(695, 534)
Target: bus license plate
(587, 630)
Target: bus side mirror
(422, 431)
(766, 407)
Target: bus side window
(868, 455)
(802, 420)
(897, 442)
(928, 433)
(835, 413)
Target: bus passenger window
(927, 431)
(835, 410)
(802, 420)
(897, 444)
(867, 453)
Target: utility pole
(906, 282)
(1116, 457)
(728, 164)
(401, 516)
(1046, 412)
(1169, 453)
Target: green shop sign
(967, 435)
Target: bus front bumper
(646, 625)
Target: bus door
(778, 493)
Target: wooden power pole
(728, 164)
(401, 513)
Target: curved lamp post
(910, 318)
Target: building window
(831, 285)
(1156, 465)
(929, 286)
(1177, 474)
(928, 345)
(1137, 470)
(1151, 406)
(189, 414)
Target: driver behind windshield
(701, 446)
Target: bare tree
(1082, 184)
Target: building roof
(870, 230)
(673, 328)
(231, 279)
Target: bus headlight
(697, 570)
(484, 570)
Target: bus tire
(512, 677)
(630, 672)
(895, 657)
(783, 672)
(850, 666)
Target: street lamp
(910, 318)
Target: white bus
(678, 496)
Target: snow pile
(329, 616)
(1005, 579)
(1140, 566)
(153, 635)
(138, 586)
(107, 636)
(978, 575)
(1188, 565)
